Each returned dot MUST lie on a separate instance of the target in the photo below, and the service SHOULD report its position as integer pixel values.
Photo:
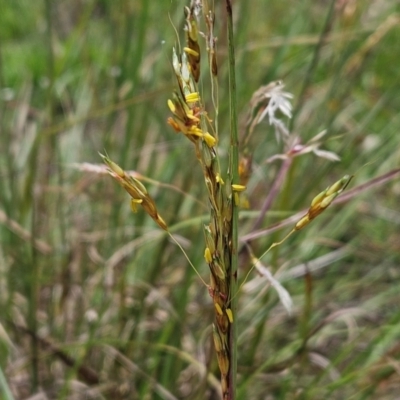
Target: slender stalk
(234, 173)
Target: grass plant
(98, 302)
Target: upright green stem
(234, 173)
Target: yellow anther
(190, 51)
(238, 188)
(219, 179)
(192, 97)
(171, 105)
(209, 139)
(134, 203)
(218, 308)
(189, 115)
(207, 255)
(229, 314)
(195, 131)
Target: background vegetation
(97, 302)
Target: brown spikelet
(245, 168)
(193, 48)
(323, 200)
(136, 190)
(211, 43)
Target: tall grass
(98, 301)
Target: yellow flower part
(218, 308)
(209, 139)
(174, 124)
(238, 188)
(207, 255)
(192, 97)
(189, 115)
(229, 314)
(219, 179)
(134, 203)
(171, 106)
(193, 130)
(190, 51)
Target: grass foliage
(98, 302)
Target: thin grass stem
(234, 171)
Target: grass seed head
(323, 200)
(137, 191)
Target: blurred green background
(97, 302)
